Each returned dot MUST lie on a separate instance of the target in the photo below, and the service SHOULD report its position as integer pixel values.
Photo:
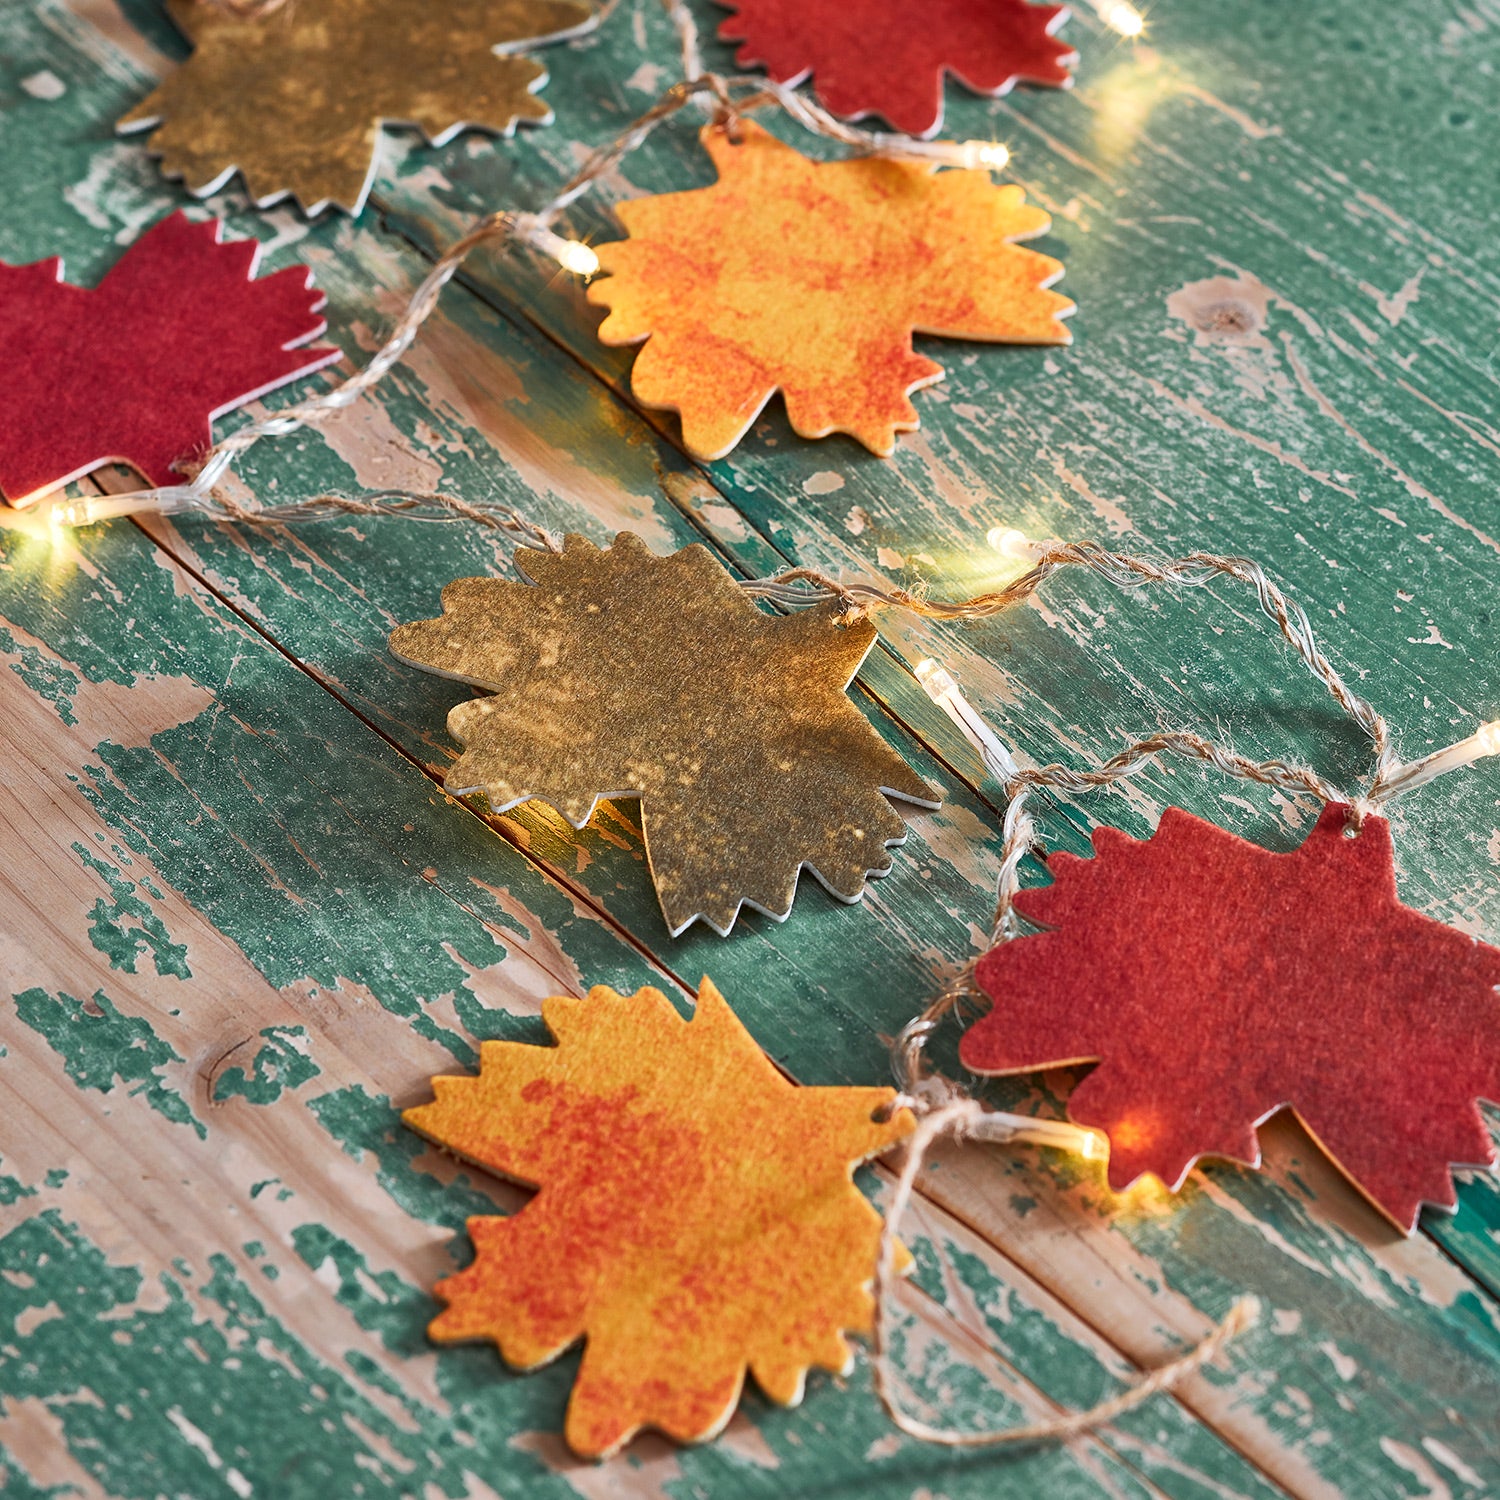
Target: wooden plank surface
(243, 925)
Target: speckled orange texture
(697, 1214)
(810, 278)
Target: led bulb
(571, 255)
(69, 513)
(989, 155)
(1009, 542)
(1122, 17)
(997, 1126)
(89, 510)
(92, 509)
(942, 687)
(937, 679)
(575, 256)
(1484, 741)
(1093, 1146)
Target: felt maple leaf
(697, 1215)
(294, 100)
(624, 674)
(810, 278)
(177, 333)
(1216, 982)
(873, 57)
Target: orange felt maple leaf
(1215, 982)
(696, 1213)
(811, 278)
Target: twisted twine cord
(943, 1106)
(803, 586)
(960, 1120)
(732, 96)
(494, 515)
(1019, 833)
(198, 492)
(1018, 838)
(961, 1116)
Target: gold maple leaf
(624, 674)
(810, 278)
(295, 99)
(696, 1216)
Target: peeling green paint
(280, 1064)
(123, 945)
(100, 1046)
(307, 842)
(12, 1189)
(16, 1484)
(363, 1124)
(49, 680)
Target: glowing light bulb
(1012, 543)
(576, 257)
(989, 155)
(1484, 741)
(91, 509)
(69, 513)
(997, 1126)
(936, 678)
(1093, 1146)
(571, 255)
(1120, 16)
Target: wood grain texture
(243, 926)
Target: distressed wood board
(242, 925)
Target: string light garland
(961, 1117)
(945, 1111)
(967, 1120)
(1389, 778)
(799, 588)
(729, 98)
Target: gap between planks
(1017, 1272)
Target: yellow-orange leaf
(696, 1214)
(810, 278)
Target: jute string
(1389, 777)
(494, 515)
(943, 1107)
(944, 1112)
(807, 585)
(729, 98)
(958, 1121)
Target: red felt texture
(1215, 981)
(134, 371)
(885, 58)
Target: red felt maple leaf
(177, 333)
(875, 57)
(1215, 982)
